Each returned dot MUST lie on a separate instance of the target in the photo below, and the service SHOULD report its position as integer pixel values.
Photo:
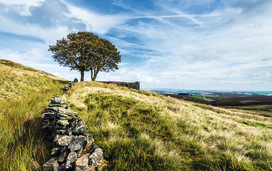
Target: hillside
(24, 94)
(137, 130)
(141, 130)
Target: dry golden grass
(16, 79)
(24, 94)
(185, 134)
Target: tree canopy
(84, 51)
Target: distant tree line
(85, 51)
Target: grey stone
(50, 164)
(67, 111)
(90, 138)
(62, 132)
(70, 161)
(77, 144)
(81, 130)
(80, 122)
(59, 105)
(63, 122)
(49, 116)
(63, 140)
(96, 157)
(63, 116)
(82, 163)
(51, 109)
(56, 100)
(62, 156)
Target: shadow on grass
(29, 146)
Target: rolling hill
(137, 130)
(141, 130)
(24, 94)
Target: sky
(178, 44)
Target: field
(225, 99)
(141, 130)
(137, 130)
(24, 94)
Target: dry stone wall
(133, 85)
(74, 148)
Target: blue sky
(181, 44)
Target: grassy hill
(141, 130)
(138, 130)
(24, 94)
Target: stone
(51, 109)
(55, 151)
(62, 156)
(63, 116)
(49, 116)
(90, 138)
(80, 152)
(80, 122)
(81, 130)
(87, 147)
(56, 100)
(62, 132)
(59, 105)
(50, 164)
(60, 168)
(74, 148)
(82, 163)
(63, 122)
(102, 167)
(70, 161)
(77, 144)
(63, 140)
(96, 157)
(67, 111)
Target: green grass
(24, 95)
(261, 110)
(141, 130)
(138, 130)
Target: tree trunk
(82, 75)
(92, 77)
(95, 75)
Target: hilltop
(137, 130)
(17, 80)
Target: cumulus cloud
(22, 6)
(175, 44)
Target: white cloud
(96, 22)
(22, 6)
(223, 48)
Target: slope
(24, 94)
(141, 130)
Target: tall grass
(22, 144)
(24, 94)
(145, 131)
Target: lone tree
(84, 51)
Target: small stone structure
(133, 85)
(74, 148)
(66, 88)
